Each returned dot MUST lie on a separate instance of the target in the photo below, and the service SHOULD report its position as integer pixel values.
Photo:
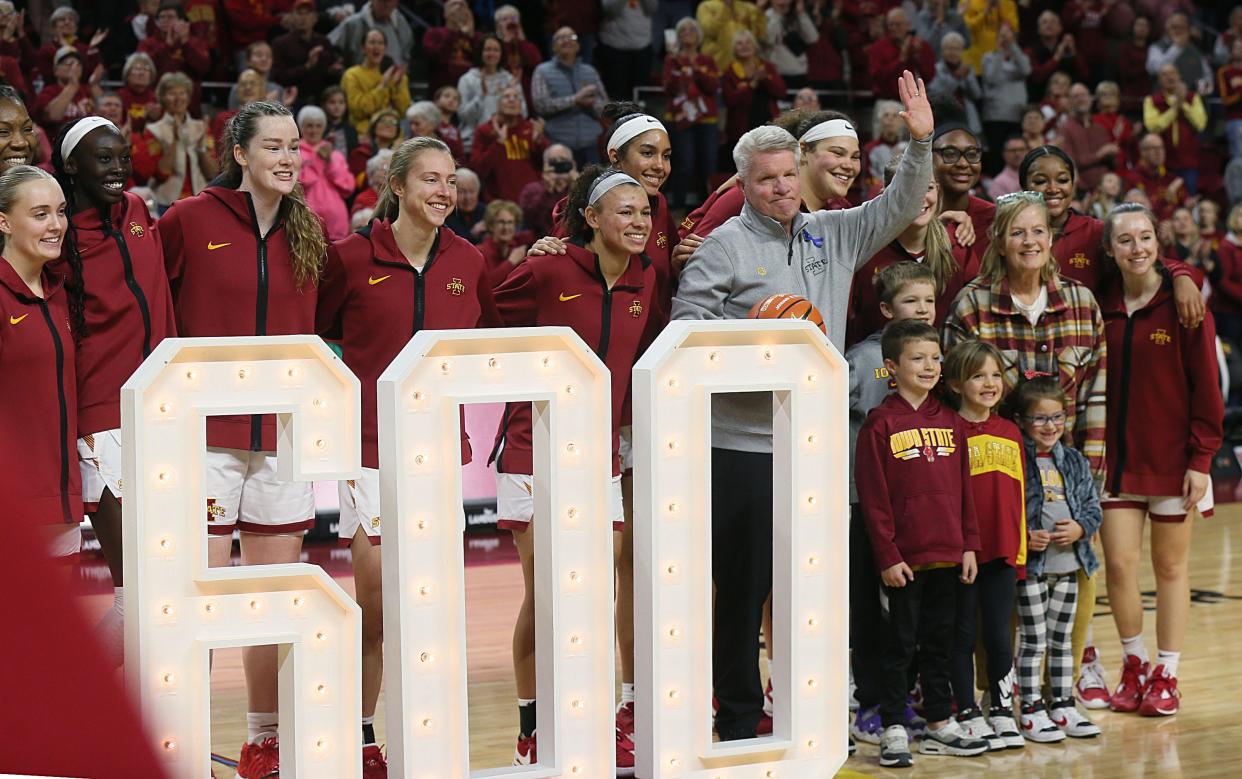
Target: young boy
(912, 472)
(907, 290)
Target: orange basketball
(788, 307)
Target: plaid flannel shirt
(1068, 342)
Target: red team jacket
(1079, 250)
(616, 323)
(507, 166)
(913, 475)
(128, 305)
(1165, 412)
(39, 478)
(226, 279)
(997, 485)
(373, 301)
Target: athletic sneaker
(1161, 697)
(1065, 715)
(868, 728)
(625, 718)
(526, 752)
(950, 739)
(1128, 694)
(764, 727)
(259, 761)
(374, 764)
(1002, 724)
(974, 725)
(895, 748)
(1092, 688)
(625, 754)
(1037, 727)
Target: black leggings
(989, 603)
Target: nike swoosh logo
(373, 281)
(566, 298)
(211, 247)
(1060, 722)
(1028, 725)
(13, 320)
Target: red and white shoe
(625, 719)
(526, 752)
(1129, 691)
(1160, 697)
(374, 764)
(1092, 687)
(765, 722)
(260, 761)
(625, 754)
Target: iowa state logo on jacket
(925, 442)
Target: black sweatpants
(742, 572)
(919, 623)
(866, 620)
(985, 607)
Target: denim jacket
(1080, 493)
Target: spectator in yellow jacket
(721, 19)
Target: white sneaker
(1037, 727)
(1092, 687)
(1002, 724)
(895, 748)
(951, 740)
(976, 727)
(1065, 715)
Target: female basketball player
(19, 143)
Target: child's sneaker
(1065, 715)
(526, 752)
(1128, 694)
(1037, 727)
(975, 726)
(868, 727)
(950, 739)
(1092, 687)
(1002, 723)
(1161, 697)
(895, 748)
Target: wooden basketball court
(1198, 742)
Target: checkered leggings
(1046, 607)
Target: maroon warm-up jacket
(228, 280)
(1079, 250)
(616, 323)
(373, 301)
(1165, 412)
(913, 472)
(128, 305)
(39, 478)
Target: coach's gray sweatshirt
(751, 257)
(868, 389)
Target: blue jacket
(1080, 493)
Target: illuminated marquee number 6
(424, 573)
(178, 608)
(673, 386)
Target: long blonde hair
(388, 206)
(937, 248)
(307, 243)
(1008, 207)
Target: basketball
(788, 307)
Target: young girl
(974, 375)
(1062, 513)
(401, 274)
(609, 221)
(250, 240)
(114, 259)
(1164, 427)
(339, 130)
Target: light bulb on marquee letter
(808, 380)
(179, 612)
(570, 391)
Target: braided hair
(75, 283)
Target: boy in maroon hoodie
(913, 474)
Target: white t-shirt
(1034, 311)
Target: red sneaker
(374, 764)
(1129, 691)
(765, 721)
(625, 719)
(1161, 697)
(526, 752)
(259, 761)
(625, 754)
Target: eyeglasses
(559, 38)
(951, 154)
(1040, 420)
(1024, 195)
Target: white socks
(627, 693)
(1169, 660)
(1134, 646)
(260, 725)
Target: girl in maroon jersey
(1164, 427)
(243, 258)
(609, 222)
(113, 258)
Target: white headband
(605, 183)
(632, 128)
(79, 131)
(833, 128)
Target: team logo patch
(1161, 337)
(214, 511)
(1080, 261)
(455, 287)
(926, 442)
(636, 309)
(375, 523)
(137, 230)
(662, 240)
(687, 224)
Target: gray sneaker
(895, 748)
(951, 740)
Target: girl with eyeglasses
(1163, 432)
(957, 161)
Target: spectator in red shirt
(137, 91)
(1053, 51)
(251, 21)
(452, 49)
(538, 198)
(1229, 87)
(1164, 188)
(13, 40)
(1089, 144)
(384, 133)
(67, 98)
(508, 148)
(690, 83)
(1132, 72)
(1055, 105)
(448, 100)
(1086, 21)
(505, 246)
(304, 58)
(752, 86)
(518, 55)
(377, 174)
(64, 23)
(1179, 115)
(173, 49)
(900, 50)
(1120, 128)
